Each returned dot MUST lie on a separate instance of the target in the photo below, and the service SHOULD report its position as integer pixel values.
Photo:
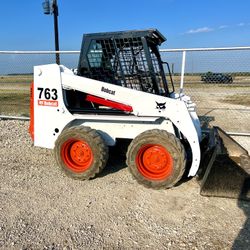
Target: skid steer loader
(120, 91)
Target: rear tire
(80, 152)
(156, 159)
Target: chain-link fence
(16, 74)
(218, 80)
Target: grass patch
(16, 79)
(240, 99)
(14, 102)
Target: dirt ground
(41, 208)
(224, 106)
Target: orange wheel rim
(154, 162)
(77, 155)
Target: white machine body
(51, 115)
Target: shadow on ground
(243, 239)
(117, 158)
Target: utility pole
(55, 11)
(52, 8)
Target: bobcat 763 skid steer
(120, 91)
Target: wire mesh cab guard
(129, 59)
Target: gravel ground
(41, 208)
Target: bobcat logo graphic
(161, 105)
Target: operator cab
(129, 59)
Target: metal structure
(52, 8)
(130, 59)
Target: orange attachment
(31, 128)
(77, 155)
(154, 162)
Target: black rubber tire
(94, 141)
(171, 144)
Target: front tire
(156, 159)
(80, 152)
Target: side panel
(51, 115)
(110, 130)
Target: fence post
(182, 71)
